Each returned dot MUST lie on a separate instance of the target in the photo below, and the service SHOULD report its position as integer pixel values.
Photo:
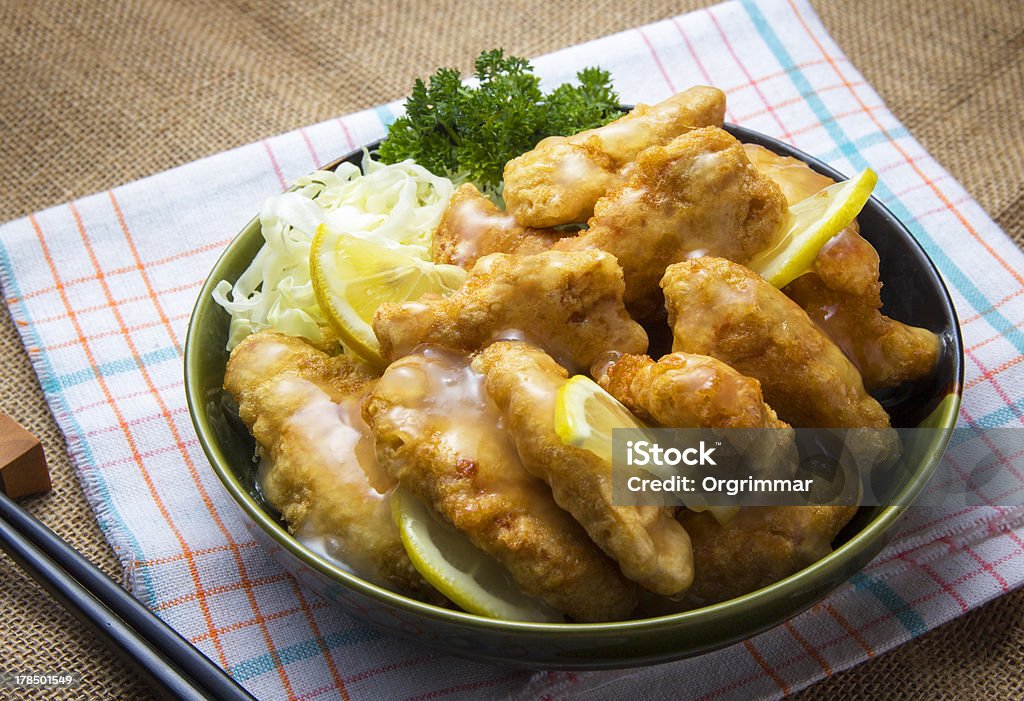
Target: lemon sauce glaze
(341, 453)
(434, 394)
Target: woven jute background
(96, 94)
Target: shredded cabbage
(392, 205)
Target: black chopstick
(177, 668)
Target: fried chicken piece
(797, 180)
(842, 294)
(650, 546)
(569, 303)
(698, 195)
(472, 227)
(302, 406)
(758, 546)
(848, 264)
(441, 437)
(560, 180)
(725, 310)
(885, 351)
(847, 268)
(684, 390)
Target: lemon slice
(447, 559)
(585, 415)
(812, 222)
(352, 276)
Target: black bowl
(913, 293)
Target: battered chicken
(569, 303)
(464, 415)
(758, 546)
(302, 406)
(719, 308)
(847, 263)
(441, 437)
(650, 546)
(842, 294)
(885, 351)
(796, 179)
(561, 179)
(684, 390)
(698, 195)
(472, 227)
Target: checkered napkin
(101, 289)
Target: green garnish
(470, 132)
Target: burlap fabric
(96, 94)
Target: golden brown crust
(459, 462)
(560, 180)
(697, 195)
(887, 352)
(291, 396)
(568, 303)
(472, 227)
(796, 179)
(684, 390)
(264, 355)
(649, 545)
(758, 546)
(842, 294)
(719, 308)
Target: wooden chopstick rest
(23, 469)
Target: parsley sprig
(469, 132)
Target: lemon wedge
(352, 276)
(447, 559)
(812, 222)
(585, 415)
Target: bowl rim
(945, 414)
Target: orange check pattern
(101, 289)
